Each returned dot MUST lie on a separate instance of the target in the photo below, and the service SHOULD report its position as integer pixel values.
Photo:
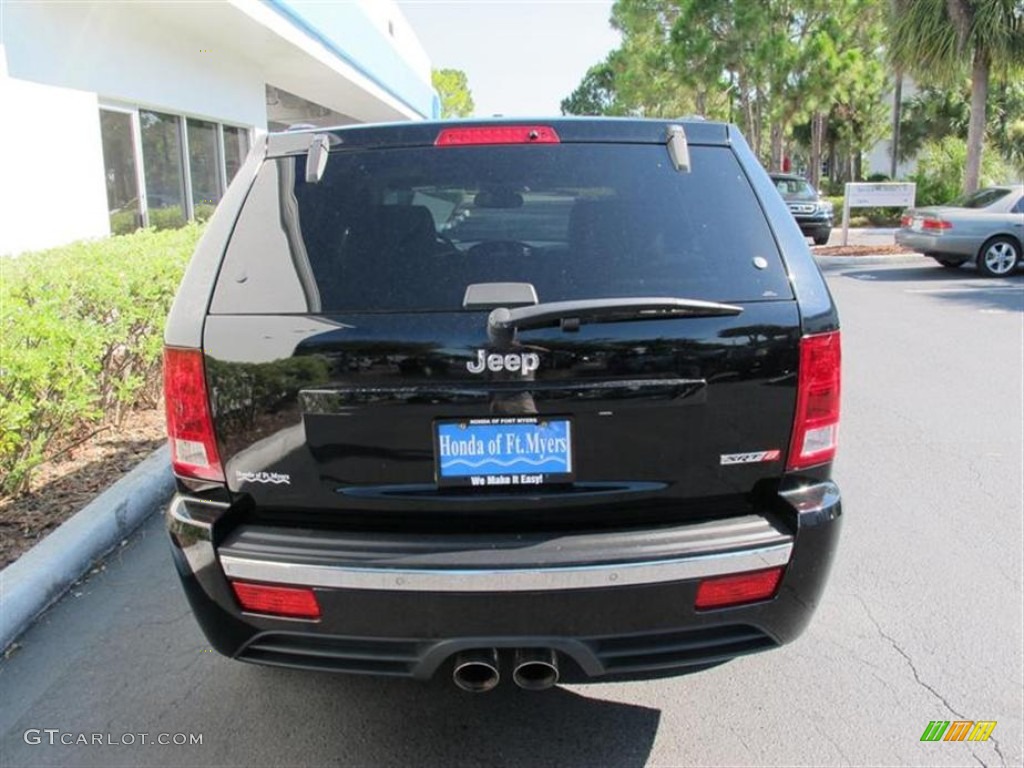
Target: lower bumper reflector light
(738, 588)
(292, 602)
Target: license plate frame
(529, 451)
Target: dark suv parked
(558, 399)
(813, 213)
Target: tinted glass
(982, 198)
(236, 147)
(410, 229)
(162, 167)
(119, 167)
(795, 189)
(203, 166)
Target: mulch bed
(61, 487)
(859, 250)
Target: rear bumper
(815, 224)
(967, 247)
(618, 602)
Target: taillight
(737, 589)
(816, 426)
(189, 424)
(906, 221)
(294, 602)
(936, 224)
(497, 134)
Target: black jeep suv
(553, 399)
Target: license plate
(917, 224)
(499, 452)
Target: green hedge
(81, 331)
(866, 217)
(126, 222)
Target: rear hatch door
(374, 349)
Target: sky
(522, 57)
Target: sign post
(876, 195)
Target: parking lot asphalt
(922, 619)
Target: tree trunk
(817, 134)
(747, 108)
(976, 128)
(759, 122)
(776, 145)
(897, 114)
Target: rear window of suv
(408, 229)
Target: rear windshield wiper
(503, 323)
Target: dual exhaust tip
(533, 669)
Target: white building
(127, 114)
(879, 159)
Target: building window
(204, 167)
(162, 167)
(183, 163)
(236, 147)
(122, 182)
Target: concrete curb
(37, 579)
(853, 261)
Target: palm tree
(940, 40)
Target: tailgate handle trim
(327, 402)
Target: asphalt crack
(922, 683)
(906, 657)
(835, 745)
(742, 741)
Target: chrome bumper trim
(507, 579)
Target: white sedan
(986, 227)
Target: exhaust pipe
(476, 671)
(535, 669)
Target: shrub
(881, 217)
(866, 217)
(831, 188)
(170, 217)
(80, 338)
(127, 221)
(124, 222)
(940, 171)
(203, 211)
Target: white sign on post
(887, 194)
